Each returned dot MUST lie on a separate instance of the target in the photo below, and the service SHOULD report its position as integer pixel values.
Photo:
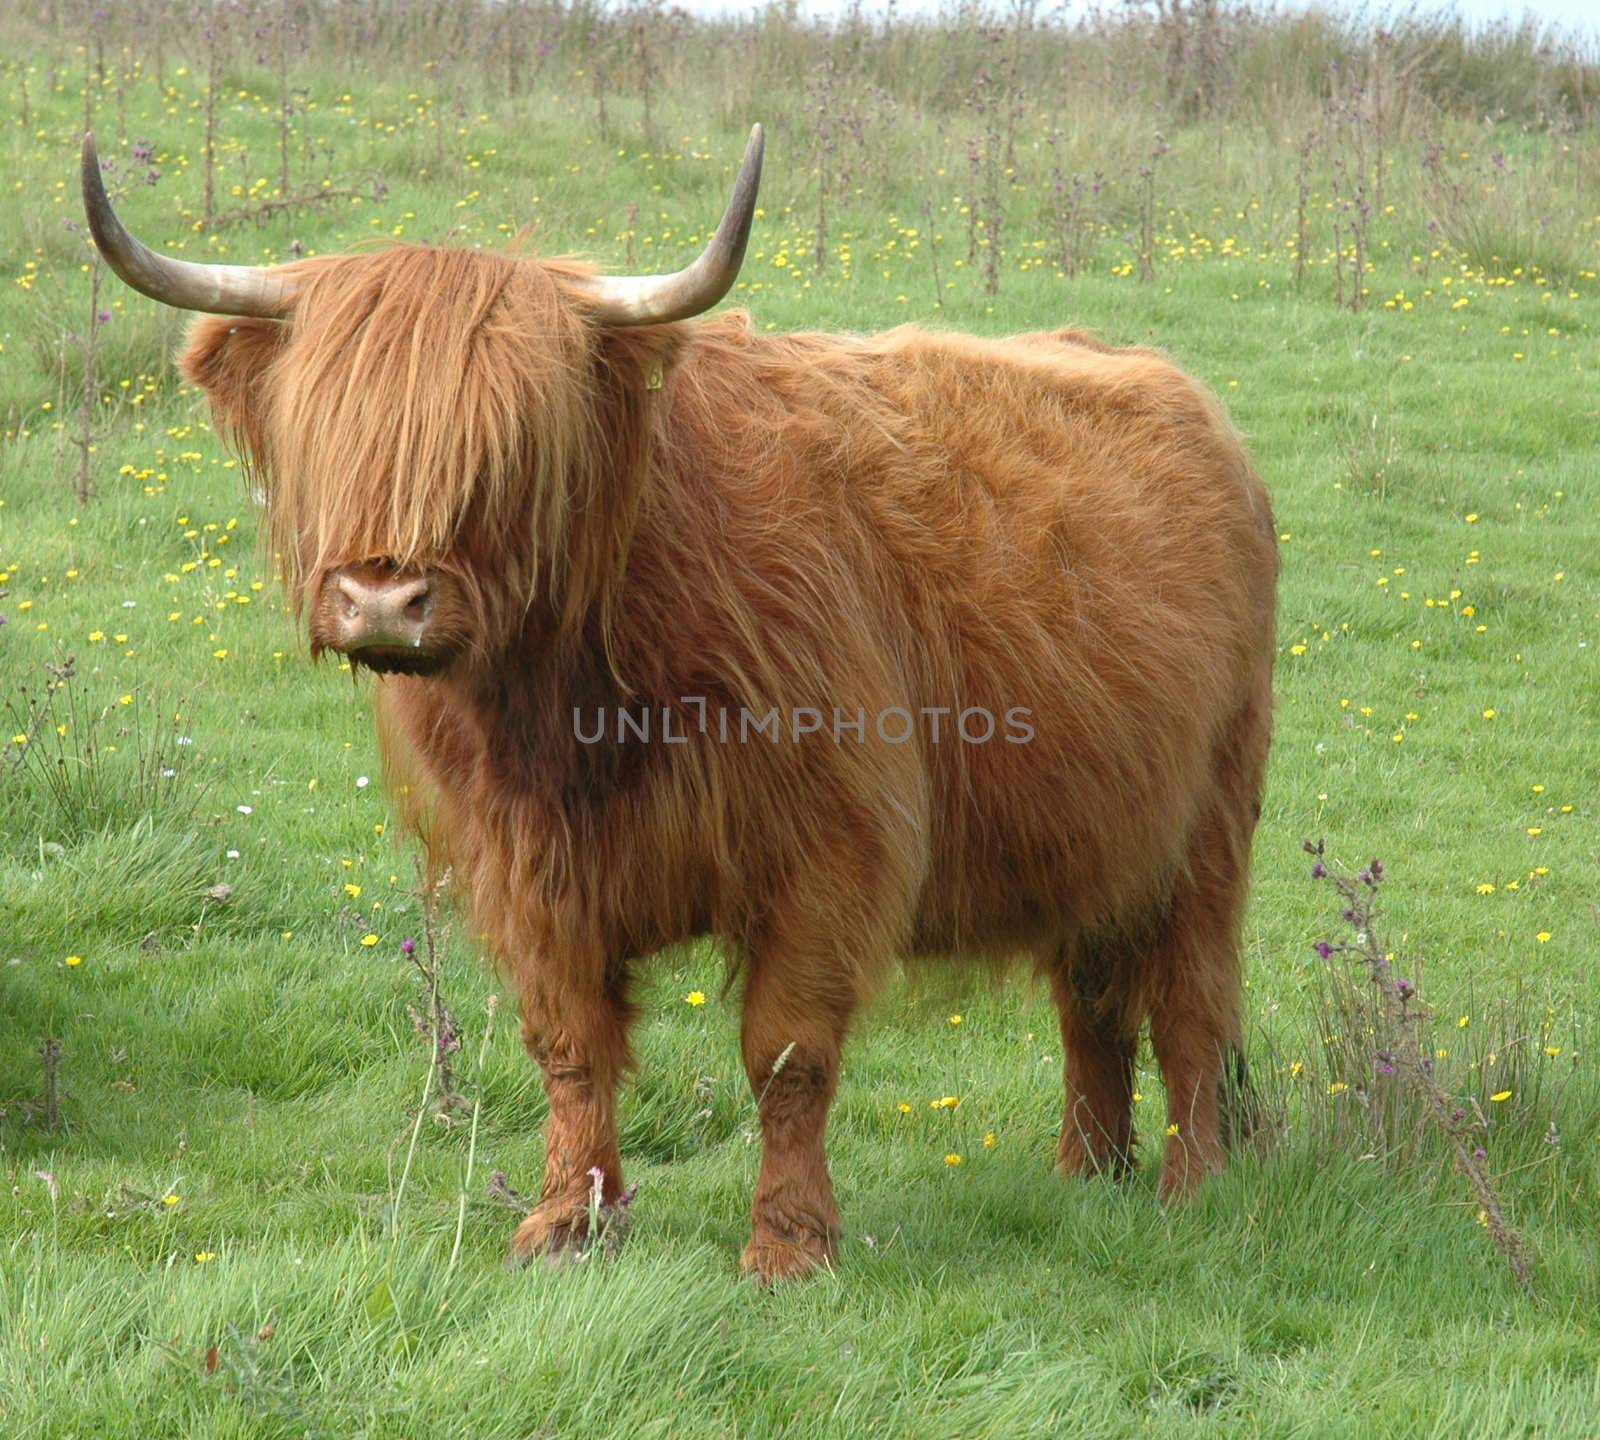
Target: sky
(1577, 17)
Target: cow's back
(1066, 545)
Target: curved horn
(653, 299)
(219, 289)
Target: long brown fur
(633, 517)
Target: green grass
(210, 1244)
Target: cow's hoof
(1077, 1161)
(556, 1231)
(1184, 1168)
(771, 1258)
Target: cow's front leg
(580, 1042)
(793, 1031)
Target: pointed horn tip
(96, 203)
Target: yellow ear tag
(655, 379)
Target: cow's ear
(632, 374)
(229, 359)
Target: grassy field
(225, 1216)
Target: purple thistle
(408, 946)
(1323, 949)
(1317, 872)
(1405, 989)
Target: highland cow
(840, 649)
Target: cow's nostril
(352, 595)
(418, 606)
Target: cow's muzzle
(381, 618)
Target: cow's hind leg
(1194, 1031)
(795, 1018)
(1099, 1037)
(1196, 999)
(580, 1043)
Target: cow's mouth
(398, 660)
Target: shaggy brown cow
(838, 649)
